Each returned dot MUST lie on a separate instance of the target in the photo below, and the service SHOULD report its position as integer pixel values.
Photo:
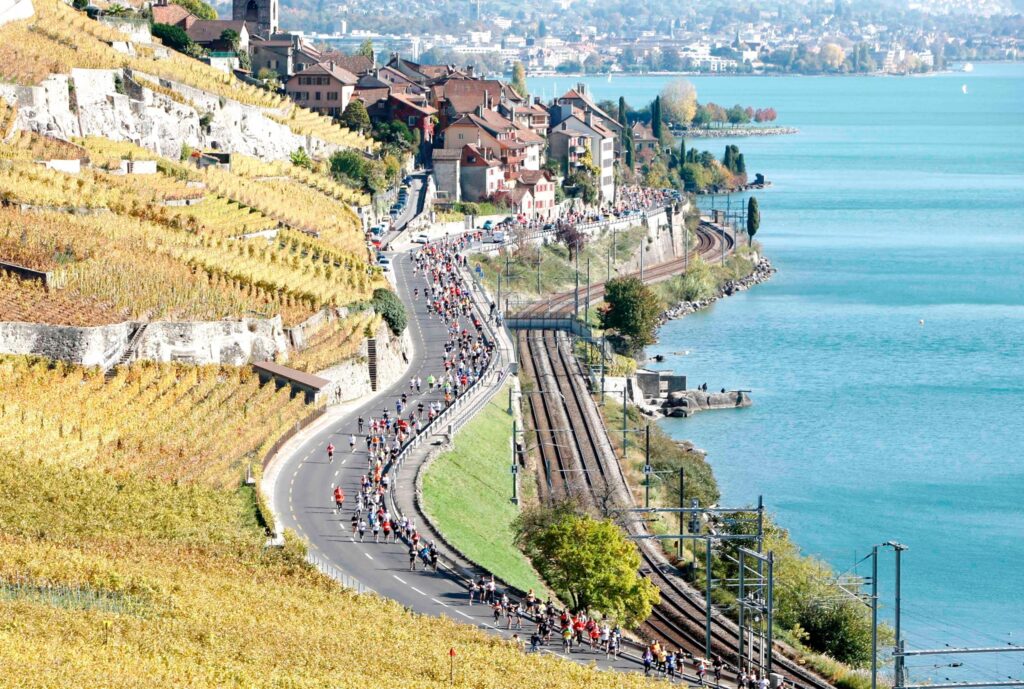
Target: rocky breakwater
(762, 271)
(734, 132)
(687, 402)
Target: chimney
(590, 118)
(581, 88)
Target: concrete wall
(200, 342)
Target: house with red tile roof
(324, 87)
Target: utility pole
(586, 315)
(682, 526)
(540, 257)
(874, 617)
(647, 465)
(515, 467)
(642, 258)
(707, 597)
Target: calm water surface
(901, 200)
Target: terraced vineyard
(132, 255)
(59, 38)
(165, 421)
(335, 342)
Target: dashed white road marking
(464, 614)
(399, 578)
(439, 602)
(417, 590)
(368, 556)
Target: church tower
(260, 15)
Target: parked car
(498, 237)
(421, 238)
(488, 225)
(383, 260)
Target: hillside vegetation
(59, 38)
(129, 558)
(114, 245)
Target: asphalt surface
(303, 498)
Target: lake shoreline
(762, 271)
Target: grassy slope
(467, 492)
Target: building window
(332, 95)
(317, 97)
(411, 120)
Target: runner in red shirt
(339, 497)
(330, 452)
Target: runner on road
(330, 452)
(339, 498)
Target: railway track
(679, 619)
(709, 246)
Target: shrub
(174, 37)
(391, 309)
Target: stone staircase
(371, 359)
(129, 350)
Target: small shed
(315, 388)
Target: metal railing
(336, 573)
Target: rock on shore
(687, 402)
(763, 270)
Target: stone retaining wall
(232, 342)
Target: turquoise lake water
(901, 199)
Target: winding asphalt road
(303, 501)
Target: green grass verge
(467, 492)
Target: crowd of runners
(460, 362)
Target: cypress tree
(656, 117)
(753, 219)
(741, 165)
(623, 120)
(682, 150)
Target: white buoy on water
(964, 89)
(921, 322)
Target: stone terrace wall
(150, 119)
(233, 342)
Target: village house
(571, 138)
(645, 146)
(323, 87)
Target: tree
(391, 309)
(753, 219)
(679, 101)
(570, 235)
(198, 8)
(623, 113)
(832, 55)
(174, 37)
(542, 29)
(350, 164)
(366, 49)
(355, 117)
(231, 37)
(656, 120)
(588, 561)
(737, 114)
(519, 79)
(632, 310)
